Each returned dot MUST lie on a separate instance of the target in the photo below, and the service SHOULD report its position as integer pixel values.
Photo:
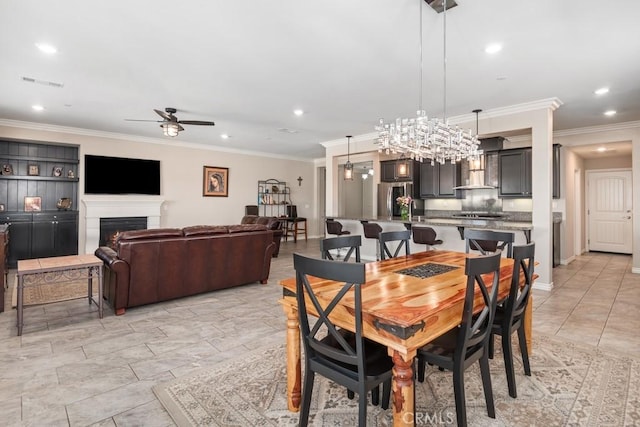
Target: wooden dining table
(407, 301)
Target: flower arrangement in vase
(405, 204)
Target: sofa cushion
(249, 219)
(151, 233)
(204, 230)
(241, 228)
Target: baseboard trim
(568, 261)
(543, 286)
(635, 270)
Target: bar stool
(294, 224)
(335, 228)
(425, 236)
(371, 231)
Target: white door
(609, 211)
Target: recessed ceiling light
(601, 91)
(224, 136)
(298, 112)
(37, 107)
(601, 149)
(493, 48)
(610, 113)
(47, 48)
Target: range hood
(475, 180)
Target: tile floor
(70, 368)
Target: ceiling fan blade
(196, 122)
(180, 128)
(163, 115)
(143, 120)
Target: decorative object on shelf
(71, 174)
(32, 204)
(33, 170)
(275, 189)
(348, 167)
(422, 137)
(405, 204)
(57, 171)
(64, 204)
(299, 181)
(7, 170)
(215, 181)
(2, 207)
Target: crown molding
(596, 129)
(548, 103)
(133, 138)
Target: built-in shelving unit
(273, 197)
(34, 178)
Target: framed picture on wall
(33, 170)
(32, 204)
(215, 181)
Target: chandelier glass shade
(421, 137)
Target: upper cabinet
(438, 181)
(515, 173)
(556, 171)
(400, 170)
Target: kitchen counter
(451, 222)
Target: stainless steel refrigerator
(388, 192)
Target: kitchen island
(450, 230)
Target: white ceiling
(246, 64)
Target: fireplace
(110, 228)
(101, 207)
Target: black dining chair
(467, 343)
(425, 236)
(342, 356)
(353, 244)
(509, 316)
(387, 239)
(488, 241)
(295, 224)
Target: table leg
(294, 371)
(100, 292)
(402, 392)
(19, 308)
(528, 320)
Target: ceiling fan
(170, 124)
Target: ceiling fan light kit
(170, 124)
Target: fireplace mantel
(116, 207)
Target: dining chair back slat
(387, 237)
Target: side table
(54, 270)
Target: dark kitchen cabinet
(54, 234)
(556, 171)
(388, 171)
(438, 181)
(515, 173)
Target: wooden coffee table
(56, 270)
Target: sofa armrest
(115, 278)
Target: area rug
(34, 295)
(571, 385)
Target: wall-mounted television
(119, 175)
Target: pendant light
(476, 163)
(348, 167)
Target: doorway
(609, 214)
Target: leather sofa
(153, 265)
(272, 223)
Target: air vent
(286, 130)
(42, 82)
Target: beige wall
(620, 162)
(182, 175)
